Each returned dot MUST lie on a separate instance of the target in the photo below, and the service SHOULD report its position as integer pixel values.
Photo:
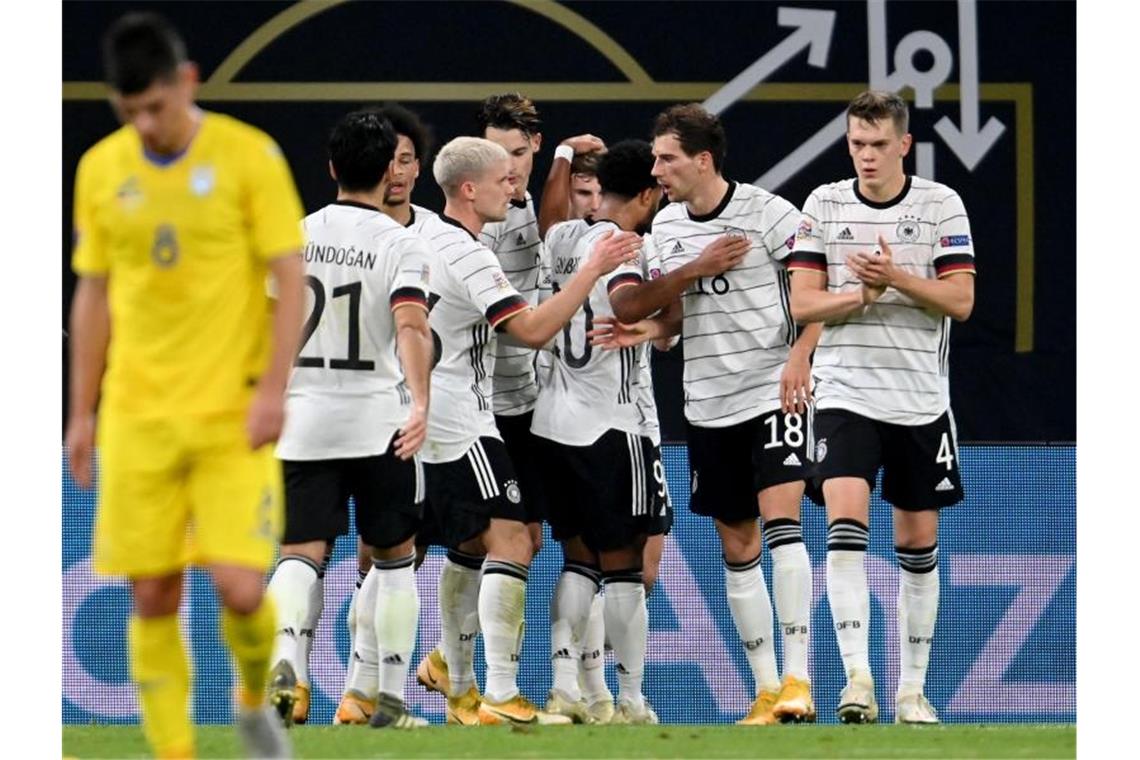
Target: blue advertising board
(1004, 648)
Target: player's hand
(609, 334)
(874, 269)
(611, 251)
(795, 384)
(584, 144)
(721, 255)
(266, 418)
(412, 434)
(80, 439)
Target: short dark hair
(585, 163)
(361, 146)
(626, 168)
(140, 49)
(696, 129)
(408, 123)
(873, 105)
(510, 110)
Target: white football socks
(917, 612)
(291, 589)
(364, 678)
(791, 587)
(396, 617)
(751, 609)
(502, 606)
(847, 592)
(593, 686)
(569, 615)
(627, 623)
(459, 617)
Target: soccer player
(571, 190)
(511, 121)
(357, 405)
(747, 381)
(471, 481)
(585, 190)
(594, 421)
(886, 259)
(413, 144)
(180, 216)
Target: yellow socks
(161, 668)
(250, 638)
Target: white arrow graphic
(813, 32)
(969, 143)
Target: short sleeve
(781, 235)
(412, 279)
(274, 209)
(808, 252)
(487, 287)
(953, 246)
(631, 272)
(89, 255)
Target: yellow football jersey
(185, 245)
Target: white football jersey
(522, 256)
(420, 217)
(737, 326)
(471, 298)
(592, 390)
(890, 361)
(346, 396)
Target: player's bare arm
(608, 333)
(537, 326)
(952, 295)
(638, 302)
(795, 381)
(267, 412)
(414, 346)
(555, 205)
(812, 303)
(90, 334)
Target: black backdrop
(1013, 375)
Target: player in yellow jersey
(180, 217)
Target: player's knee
(535, 531)
(243, 599)
(917, 529)
(740, 541)
(240, 589)
(315, 551)
(157, 597)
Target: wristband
(564, 151)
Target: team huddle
(467, 373)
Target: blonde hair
(464, 159)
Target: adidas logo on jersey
(520, 240)
(393, 659)
(793, 460)
(846, 234)
(945, 485)
(678, 248)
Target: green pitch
(989, 741)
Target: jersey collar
(458, 224)
(881, 204)
(518, 204)
(720, 207)
(356, 204)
